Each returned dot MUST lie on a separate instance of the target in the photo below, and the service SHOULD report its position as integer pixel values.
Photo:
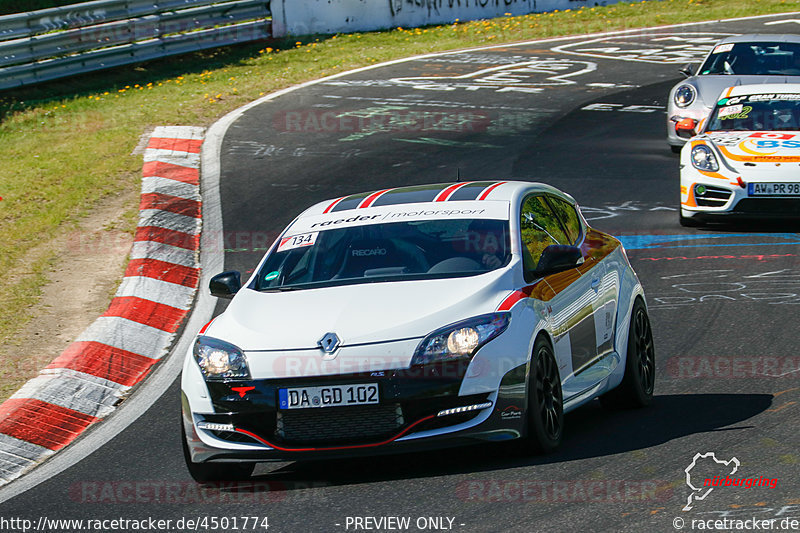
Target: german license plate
(773, 189)
(328, 396)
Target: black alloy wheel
(545, 400)
(638, 384)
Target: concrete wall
(300, 17)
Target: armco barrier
(53, 43)
(59, 42)
(87, 381)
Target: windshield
(742, 59)
(386, 252)
(757, 112)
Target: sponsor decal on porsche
(742, 162)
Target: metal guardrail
(53, 43)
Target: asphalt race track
(587, 116)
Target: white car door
(571, 301)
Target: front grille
(232, 436)
(339, 425)
(713, 197)
(769, 206)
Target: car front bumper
(726, 196)
(675, 114)
(419, 408)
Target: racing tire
(545, 414)
(687, 222)
(638, 383)
(675, 149)
(214, 472)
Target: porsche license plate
(328, 396)
(773, 189)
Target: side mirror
(557, 258)
(226, 284)
(687, 70)
(686, 128)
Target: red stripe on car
(448, 192)
(511, 300)
(333, 204)
(332, 448)
(204, 328)
(489, 189)
(366, 202)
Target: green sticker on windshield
(272, 275)
(737, 114)
(723, 101)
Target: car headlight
(219, 359)
(685, 95)
(703, 158)
(460, 340)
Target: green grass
(67, 144)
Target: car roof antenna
(458, 175)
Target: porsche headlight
(703, 158)
(685, 95)
(462, 339)
(219, 359)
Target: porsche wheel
(636, 389)
(545, 400)
(688, 222)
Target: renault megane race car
(738, 60)
(745, 160)
(415, 318)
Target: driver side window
(540, 228)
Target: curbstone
(97, 371)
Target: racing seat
(371, 257)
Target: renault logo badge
(329, 343)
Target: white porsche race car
(744, 161)
(735, 60)
(414, 318)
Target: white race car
(744, 161)
(735, 60)
(414, 318)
